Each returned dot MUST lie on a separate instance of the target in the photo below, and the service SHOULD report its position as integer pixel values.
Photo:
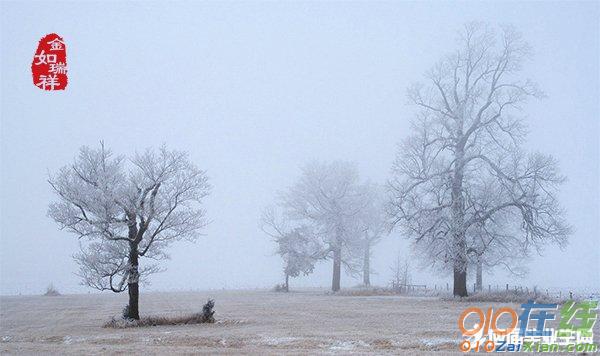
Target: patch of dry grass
(384, 291)
(121, 323)
(510, 297)
(207, 316)
(366, 292)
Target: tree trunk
(458, 215)
(287, 282)
(460, 282)
(133, 283)
(366, 265)
(337, 264)
(479, 276)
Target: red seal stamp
(49, 66)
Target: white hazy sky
(253, 91)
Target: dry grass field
(248, 322)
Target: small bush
(125, 313)
(208, 312)
(51, 291)
(280, 288)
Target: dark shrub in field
(208, 312)
(126, 314)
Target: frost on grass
(438, 342)
(277, 341)
(513, 296)
(348, 345)
(206, 316)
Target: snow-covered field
(249, 322)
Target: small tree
(401, 276)
(300, 252)
(297, 246)
(122, 210)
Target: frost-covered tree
(297, 246)
(300, 252)
(328, 198)
(124, 209)
(467, 133)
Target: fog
(254, 91)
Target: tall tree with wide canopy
(329, 198)
(124, 209)
(466, 132)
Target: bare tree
(467, 134)
(401, 276)
(122, 210)
(372, 226)
(328, 197)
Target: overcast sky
(252, 92)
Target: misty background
(254, 91)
